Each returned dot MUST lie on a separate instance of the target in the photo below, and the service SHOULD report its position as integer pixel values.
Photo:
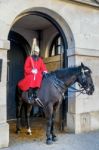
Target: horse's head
(85, 79)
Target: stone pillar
(4, 127)
(71, 96)
(83, 110)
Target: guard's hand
(34, 71)
(45, 74)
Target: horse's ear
(82, 65)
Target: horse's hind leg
(29, 107)
(18, 115)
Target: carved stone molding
(88, 2)
(97, 1)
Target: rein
(61, 87)
(58, 84)
(77, 90)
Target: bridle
(82, 85)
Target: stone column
(4, 127)
(83, 110)
(71, 96)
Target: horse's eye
(87, 73)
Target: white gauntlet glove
(34, 71)
(45, 74)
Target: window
(57, 47)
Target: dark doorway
(16, 57)
(18, 53)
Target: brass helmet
(34, 47)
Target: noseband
(82, 85)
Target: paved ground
(37, 141)
(86, 141)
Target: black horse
(53, 87)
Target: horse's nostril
(92, 89)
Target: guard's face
(36, 53)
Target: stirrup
(31, 97)
(38, 101)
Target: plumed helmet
(36, 49)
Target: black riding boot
(30, 94)
(35, 93)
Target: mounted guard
(34, 69)
(51, 92)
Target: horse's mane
(69, 70)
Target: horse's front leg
(29, 108)
(54, 138)
(48, 130)
(48, 113)
(18, 115)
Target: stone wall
(4, 127)
(80, 26)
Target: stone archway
(60, 24)
(56, 19)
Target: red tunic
(32, 80)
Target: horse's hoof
(17, 132)
(49, 141)
(54, 138)
(29, 133)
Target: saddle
(31, 100)
(26, 98)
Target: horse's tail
(20, 105)
(18, 93)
